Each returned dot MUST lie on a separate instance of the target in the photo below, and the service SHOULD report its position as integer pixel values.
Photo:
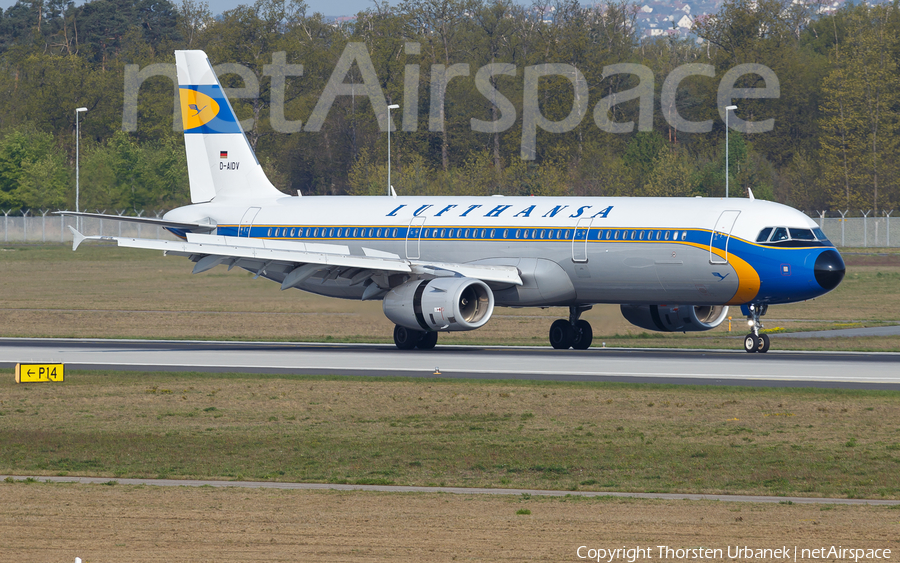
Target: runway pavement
(446, 490)
(719, 367)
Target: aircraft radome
(443, 263)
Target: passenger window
(270, 232)
(666, 235)
(505, 233)
(640, 235)
(658, 234)
(780, 234)
(764, 234)
(684, 235)
(395, 233)
(802, 234)
(315, 232)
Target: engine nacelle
(440, 304)
(675, 318)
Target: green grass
(563, 436)
(109, 292)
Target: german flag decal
(223, 154)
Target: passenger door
(247, 222)
(414, 237)
(579, 240)
(721, 235)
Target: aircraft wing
(303, 259)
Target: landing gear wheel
(406, 338)
(583, 335)
(561, 334)
(762, 343)
(428, 340)
(751, 343)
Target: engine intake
(675, 318)
(449, 304)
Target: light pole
(727, 109)
(389, 108)
(77, 143)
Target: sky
(326, 7)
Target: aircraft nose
(829, 269)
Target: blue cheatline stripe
(503, 233)
(695, 237)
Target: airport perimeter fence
(50, 228)
(857, 232)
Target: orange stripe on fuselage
(748, 278)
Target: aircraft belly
(612, 273)
(641, 273)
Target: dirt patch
(860, 258)
(118, 523)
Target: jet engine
(440, 304)
(675, 318)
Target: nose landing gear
(756, 342)
(573, 333)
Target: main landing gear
(573, 333)
(756, 342)
(407, 338)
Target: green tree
(859, 113)
(33, 173)
(642, 152)
(672, 176)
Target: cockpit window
(792, 237)
(802, 234)
(821, 236)
(780, 234)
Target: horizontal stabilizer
(207, 226)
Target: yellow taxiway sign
(32, 373)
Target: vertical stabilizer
(219, 158)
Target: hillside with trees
(475, 80)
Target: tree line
(472, 80)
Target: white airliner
(443, 263)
